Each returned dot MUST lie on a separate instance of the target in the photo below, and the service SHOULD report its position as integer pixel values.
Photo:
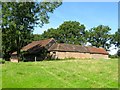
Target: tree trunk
(18, 54)
(18, 48)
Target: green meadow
(61, 74)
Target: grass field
(0, 75)
(61, 74)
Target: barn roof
(36, 46)
(68, 47)
(41, 43)
(95, 50)
(77, 48)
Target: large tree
(100, 36)
(51, 33)
(70, 32)
(19, 20)
(37, 37)
(116, 38)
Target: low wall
(14, 58)
(62, 55)
(99, 56)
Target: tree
(51, 33)
(70, 32)
(100, 36)
(19, 20)
(116, 38)
(37, 37)
(118, 53)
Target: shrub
(118, 53)
(2, 61)
(113, 56)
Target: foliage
(0, 53)
(37, 37)
(116, 38)
(100, 36)
(118, 52)
(2, 61)
(61, 74)
(113, 56)
(19, 20)
(70, 32)
(73, 32)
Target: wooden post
(35, 58)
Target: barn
(62, 51)
(49, 48)
(36, 50)
(98, 53)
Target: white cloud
(113, 50)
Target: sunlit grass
(61, 74)
(0, 75)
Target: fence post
(35, 58)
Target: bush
(118, 53)
(113, 56)
(2, 61)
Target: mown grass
(0, 74)
(61, 74)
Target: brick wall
(14, 58)
(62, 55)
(98, 56)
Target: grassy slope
(61, 74)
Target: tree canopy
(100, 36)
(19, 20)
(116, 38)
(70, 32)
(73, 32)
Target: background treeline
(72, 32)
(20, 18)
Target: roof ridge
(51, 39)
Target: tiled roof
(41, 43)
(36, 45)
(95, 50)
(33, 44)
(68, 47)
(77, 48)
